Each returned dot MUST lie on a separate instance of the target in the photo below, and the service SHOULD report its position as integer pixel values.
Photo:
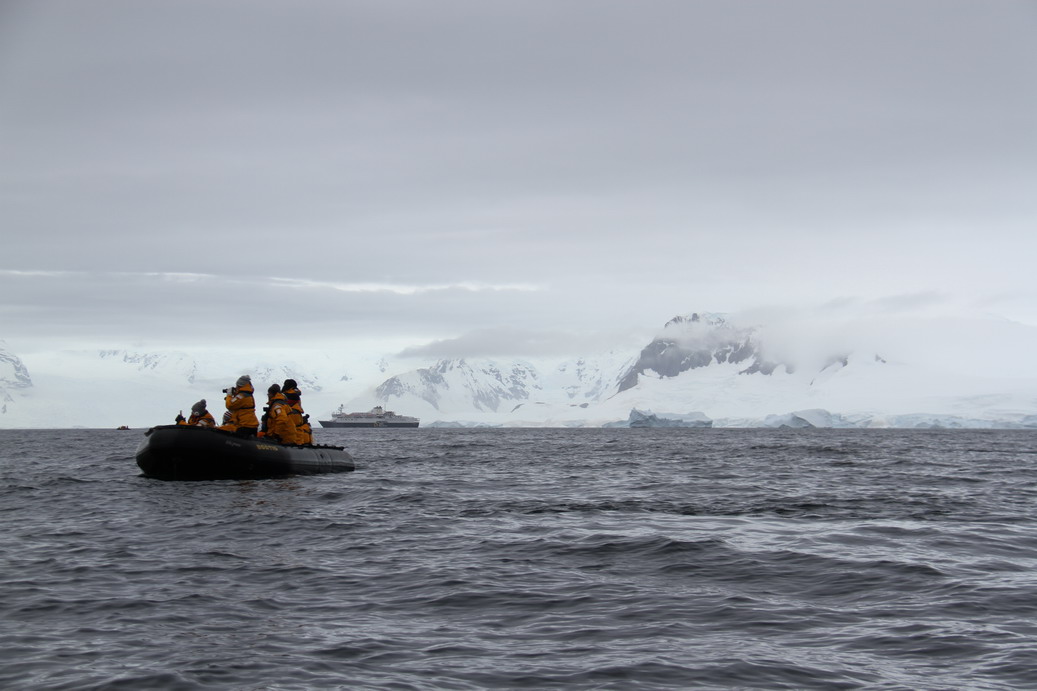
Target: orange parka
(302, 424)
(279, 424)
(241, 404)
(206, 420)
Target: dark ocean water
(567, 559)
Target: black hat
(274, 388)
(289, 384)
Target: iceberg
(815, 417)
(646, 418)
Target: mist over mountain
(741, 373)
(700, 368)
(699, 340)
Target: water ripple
(568, 559)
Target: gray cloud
(243, 311)
(632, 162)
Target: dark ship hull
(181, 452)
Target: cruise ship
(376, 417)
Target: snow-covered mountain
(13, 373)
(704, 340)
(737, 374)
(486, 386)
(700, 368)
(498, 388)
(702, 350)
(206, 368)
(699, 340)
(143, 387)
(14, 377)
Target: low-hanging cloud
(401, 288)
(521, 343)
(116, 307)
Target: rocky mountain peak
(703, 318)
(699, 339)
(13, 373)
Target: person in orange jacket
(240, 417)
(277, 419)
(200, 417)
(290, 389)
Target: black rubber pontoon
(182, 452)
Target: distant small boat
(186, 452)
(376, 417)
(122, 427)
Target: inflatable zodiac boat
(182, 452)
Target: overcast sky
(506, 175)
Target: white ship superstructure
(376, 417)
